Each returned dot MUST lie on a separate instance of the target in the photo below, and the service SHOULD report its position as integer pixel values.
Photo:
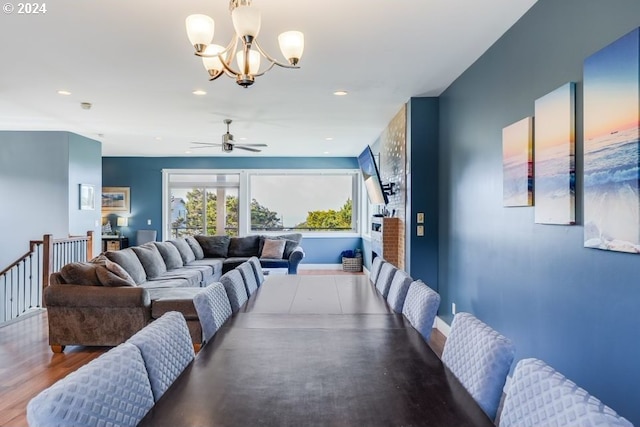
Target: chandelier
(218, 60)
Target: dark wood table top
(277, 364)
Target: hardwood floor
(27, 365)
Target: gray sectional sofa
(105, 301)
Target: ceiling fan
(228, 144)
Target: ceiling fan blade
(242, 147)
(210, 144)
(200, 146)
(251, 145)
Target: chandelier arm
(267, 69)
(216, 77)
(271, 59)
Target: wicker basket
(352, 264)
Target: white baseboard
(320, 267)
(442, 326)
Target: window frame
(244, 198)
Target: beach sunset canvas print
(612, 146)
(554, 153)
(517, 165)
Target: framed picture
(517, 163)
(116, 199)
(87, 197)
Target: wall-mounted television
(371, 177)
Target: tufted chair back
(234, 286)
(480, 358)
(257, 269)
(166, 347)
(398, 290)
(248, 277)
(421, 307)
(213, 308)
(383, 282)
(539, 395)
(113, 389)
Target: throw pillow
(273, 248)
(170, 254)
(244, 247)
(150, 259)
(214, 246)
(292, 242)
(185, 250)
(80, 273)
(111, 274)
(128, 260)
(195, 247)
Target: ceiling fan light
(212, 63)
(246, 21)
(200, 29)
(254, 61)
(292, 45)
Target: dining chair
(398, 290)
(375, 268)
(480, 358)
(539, 395)
(248, 277)
(112, 389)
(167, 348)
(234, 286)
(383, 282)
(145, 236)
(213, 308)
(421, 307)
(257, 269)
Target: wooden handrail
(32, 243)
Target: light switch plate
(420, 218)
(420, 231)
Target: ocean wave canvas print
(517, 165)
(612, 146)
(554, 154)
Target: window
(190, 215)
(260, 201)
(303, 201)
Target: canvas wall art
(517, 163)
(554, 154)
(612, 146)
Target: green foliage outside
(262, 218)
(329, 219)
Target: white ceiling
(132, 60)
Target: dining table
(316, 350)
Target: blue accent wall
(573, 307)
(422, 152)
(144, 177)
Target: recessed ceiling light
(340, 93)
(329, 138)
(326, 152)
(158, 138)
(243, 138)
(199, 92)
(64, 92)
(187, 152)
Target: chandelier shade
(218, 60)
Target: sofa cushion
(292, 242)
(195, 247)
(247, 246)
(273, 248)
(80, 273)
(111, 274)
(185, 250)
(170, 254)
(151, 260)
(127, 259)
(214, 246)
